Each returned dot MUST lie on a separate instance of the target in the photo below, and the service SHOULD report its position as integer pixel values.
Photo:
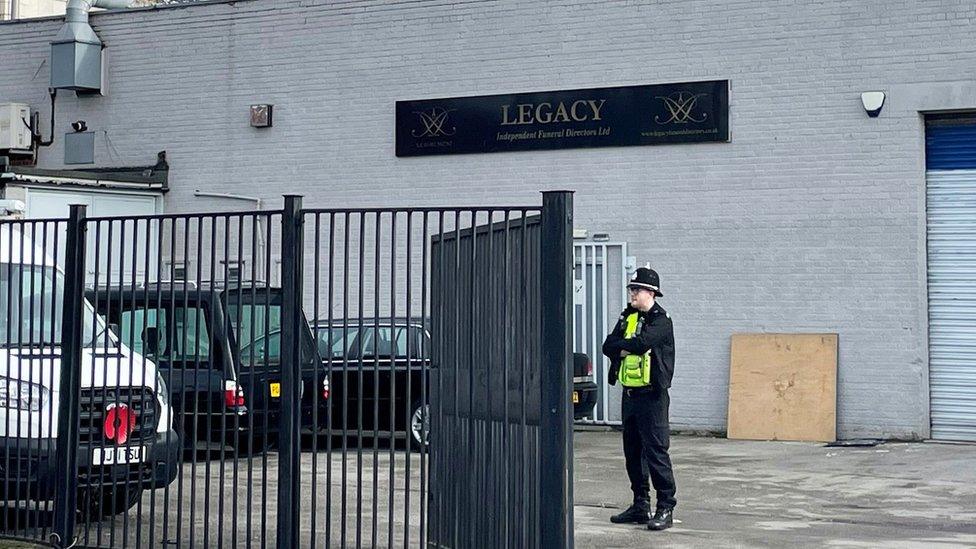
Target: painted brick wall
(811, 219)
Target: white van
(127, 443)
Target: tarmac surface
(730, 494)
(786, 494)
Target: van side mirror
(150, 340)
(114, 328)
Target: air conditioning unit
(14, 134)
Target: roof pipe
(76, 25)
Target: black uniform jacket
(657, 336)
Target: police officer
(641, 353)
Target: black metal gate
(301, 377)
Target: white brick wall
(811, 219)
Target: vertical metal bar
(208, 322)
(237, 331)
(345, 379)
(332, 386)
(393, 423)
(489, 472)
(438, 458)
(47, 381)
(408, 379)
(266, 413)
(178, 412)
(212, 360)
(22, 245)
(40, 343)
(8, 341)
(506, 451)
(316, 385)
(556, 474)
(376, 375)
(196, 374)
(471, 455)
(249, 435)
(601, 370)
(70, 382)
(158, 268)
(526, 518)
(192, 414)
(456, 333)
(289, 483)
(132, 317)
(359, 400)
(424, 353)
(156, 387)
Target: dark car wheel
(101, 502)
(419, 425)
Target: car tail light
(325, 388)
(233, 394)
(589, 368)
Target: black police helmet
(647, 279)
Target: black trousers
(647, 438)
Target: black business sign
(690, 112)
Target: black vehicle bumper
(586, 393)
(29, 468)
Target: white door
(132, 242)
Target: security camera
(872, 102)
(79, 126)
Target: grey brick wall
(811, 219)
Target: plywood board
(783, 387)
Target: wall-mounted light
(601, 237)
(872, 102)
(79, 126)
(261, 116)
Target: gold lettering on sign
(582, 110)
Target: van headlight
(17, 394)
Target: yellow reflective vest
(635, 371)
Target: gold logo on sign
(681, 106)
(434, 122)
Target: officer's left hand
(624, 353)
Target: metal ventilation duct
(76, 52)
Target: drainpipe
(257, 203)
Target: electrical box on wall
(14, 134)
(79, 148)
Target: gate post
(289, 465)
(65, 488)
(556, 429)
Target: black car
(584, 388)
(391, 358)
(218, 349)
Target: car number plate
(575, 397)
(116, 456)
(276, 390)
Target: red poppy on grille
(120, 421)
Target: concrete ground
(730, 494)
(786, 494)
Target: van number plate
(116, 456)
(276, 390)
(575, 397)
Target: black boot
(638, 513)
(661, 520)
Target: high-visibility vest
(635, 370)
